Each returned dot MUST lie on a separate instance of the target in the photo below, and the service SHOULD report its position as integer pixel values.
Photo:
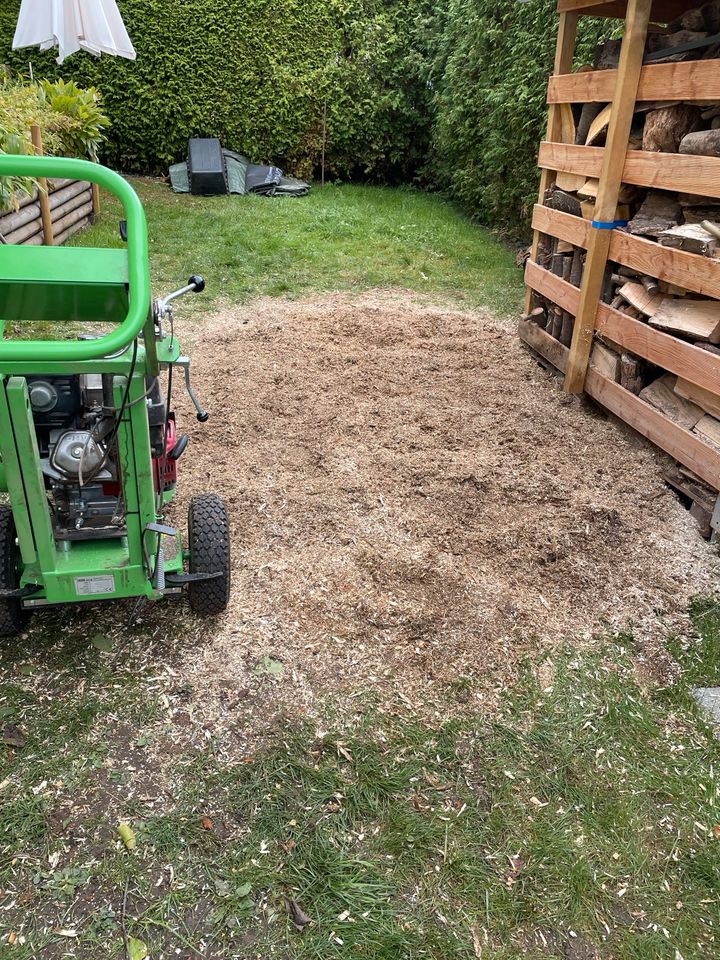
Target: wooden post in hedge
(43, 197)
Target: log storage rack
(623, 277)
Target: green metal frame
(59, 284)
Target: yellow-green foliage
(83, 121)
(21, 106)
(70, 120)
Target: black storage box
(206, 166)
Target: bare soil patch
(415, 505)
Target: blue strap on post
(608, 224)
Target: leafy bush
(83, 120)
(70, 119)
(261, 80)
(490, 78)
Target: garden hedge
(450, 93)
(258, 76)
(490, 76)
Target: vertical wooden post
(564, 53)
(616, 144)
(43, 197)
(95, 199)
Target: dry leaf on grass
(297, 915)
(13, 736)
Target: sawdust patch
(415, 505)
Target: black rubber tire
(209, 542)
(12, 616)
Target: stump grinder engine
(88, 443)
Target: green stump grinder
(89, 447)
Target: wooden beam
(564, 226)
(689, 362)
(564, 53)
(690, 80)
(663, 11)
(681, 173)
(611, 176)
(687, 270)
(561, 292)
(43, 197)
(565, 5)
(684, 446)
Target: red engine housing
(164, 467)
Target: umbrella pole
(43, 197)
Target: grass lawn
(338, 238)
(582, 823)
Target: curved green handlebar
(137, 253)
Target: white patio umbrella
(72, 25)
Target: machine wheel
(209, 542)
(12, 616)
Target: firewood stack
(667, 221)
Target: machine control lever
(202, 413)
(195, 284)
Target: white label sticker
(89, 586)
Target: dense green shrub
(84, 123)
(70, 118)
(260, 77)
(451, 91)
(490, 75)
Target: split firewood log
(576, 268)
(691, 237)
(637, 296)
(665, 128)
(605, 361)
(711, 14)
(557, 323)
(690, 20)
(558, 199)
(659, 41)
(661, 395)
(708, 429)
(701, 214)
(659, 212)
(587, 115)
(705, 143)
(632, 372)
(566, 331)
(695, 319)
(607, 55)
(558, 264)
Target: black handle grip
(197, 281)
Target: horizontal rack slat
(679, 172)
(692, 80)
(684, 446)
(684, 359)
(662, 10)
(688, 270)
